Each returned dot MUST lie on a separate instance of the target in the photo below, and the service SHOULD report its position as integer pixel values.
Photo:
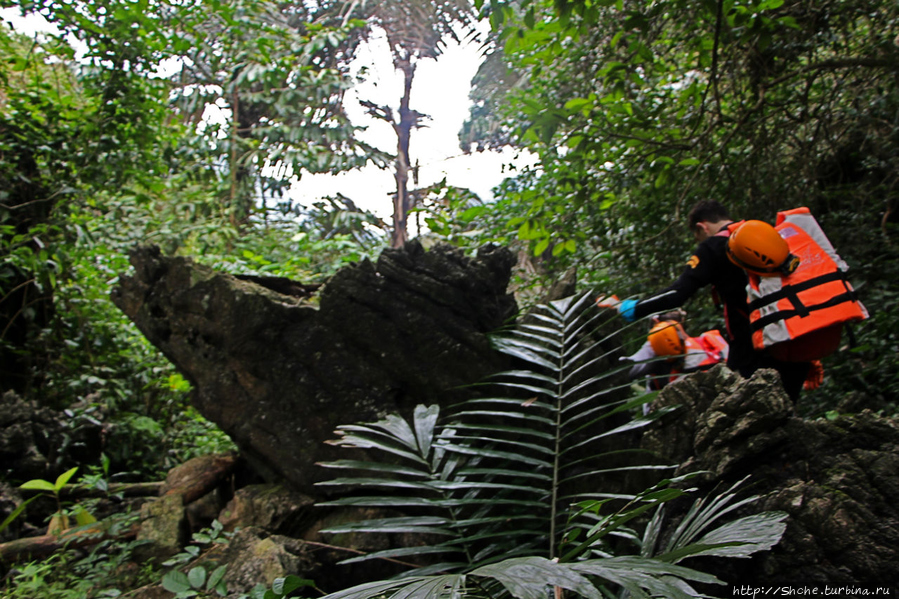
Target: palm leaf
(517, 575)
(390, 588)
(694, 535)
(514, 474)
(531, 577)
(570, 390)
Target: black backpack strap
(792, 292)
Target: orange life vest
(715, 346)
(799, 317)
(702, 353)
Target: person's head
(706, 218)
(667, 338)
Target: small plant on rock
(214, 535)
(59, 522)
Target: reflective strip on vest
(815, 296)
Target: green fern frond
(520, 472)
(695, 535)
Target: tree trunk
(199, 476)
(403, 128)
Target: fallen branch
(85, 536)
(192, 483)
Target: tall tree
(279, 74)
(415, 30)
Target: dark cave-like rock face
(837, 479)
(278, 373)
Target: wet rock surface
(837, 479)
(278, 373)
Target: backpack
(715, 346)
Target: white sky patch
(439, 90)
(30, 25)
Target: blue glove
(626, 309)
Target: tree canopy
(639, 110)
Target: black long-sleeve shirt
(709, 265)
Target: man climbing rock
(683, 354)
(709, 222)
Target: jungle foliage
(101, 150)
(635, 110)
(503, 490)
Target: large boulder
(278, 371)
(837, 479)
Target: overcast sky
(440, 90)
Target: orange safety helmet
(668, 338)
(758, 248)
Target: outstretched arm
(697, 274)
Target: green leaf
(397, 469)
(15, 513)
(739, 538)
(373, 589)
(425, 419)
(82, 516)
(286, 585)
(575, 104)
(215, 578)
(662, 179)
(448, 585)
(428, 524)
(528, 577)
(176, 581)
(404, 552)
(638, 574)
(38, 485)
(367, 439)
(197, 577)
